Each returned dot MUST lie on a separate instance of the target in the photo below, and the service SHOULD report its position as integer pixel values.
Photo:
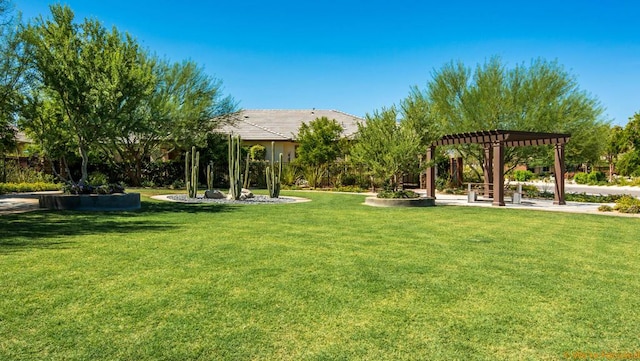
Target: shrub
(593, 198)
(258, 152)
(28, 187)
(580, 178)
(91, 189)
(522, 175)
(596, 177)
(605, 208)
(398, 194)
(16, 173)
(97, 178)
(627, 204)
(177, 184)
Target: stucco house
(263, 126)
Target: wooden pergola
(494, 142)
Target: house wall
(287, 148)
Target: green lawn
(330, 279)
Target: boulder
(214, 194)
(246, 193)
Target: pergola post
(487, 169)
(498, 174)
(558, 197)
(431, 173)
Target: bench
(475, 189)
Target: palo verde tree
(540, 97)
(92, 77)
(12, 72)
(319, 146)
(184, 107)
(628, 143)
(387, 147)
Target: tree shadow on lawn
(49, 229)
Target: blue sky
(359, 56)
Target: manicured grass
(330, 279)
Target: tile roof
(283, 124)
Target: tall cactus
(235, 181)
(273, 179)
(245, 183)
(210, 175)
(191, 170)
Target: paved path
(532, 204)
(16, 204)
(583, 188)
(21, 202)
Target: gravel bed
(255, 200)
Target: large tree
(540, 97)
(387, 147)
(93, 77)
(185, 106)
(629, 162)
(12, 70)
(319, 146)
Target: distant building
(263, 126)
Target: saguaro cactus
(273, 179)
(191, 170)
(235, 181)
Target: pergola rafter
(493, 142)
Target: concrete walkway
(18, 203)
(531, 204)
(21, 202)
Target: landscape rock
(246, 193)
(213, 194)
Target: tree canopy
(319, 145)
(540, 97)
(12, 69)
(94, 77)
(388, 148)
(626, 142)
(97, 91)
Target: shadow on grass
(156, 207)
(51, 229)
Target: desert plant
(245, 183)
(235, 180)
(273, 179)
(210, 175)
(627, 204)
(191, 171)
(289, 174)
(605, 208)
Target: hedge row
(28, 187)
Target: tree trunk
(84, 167)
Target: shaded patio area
(494, 143)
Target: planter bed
(400, 202)
(91, 202)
